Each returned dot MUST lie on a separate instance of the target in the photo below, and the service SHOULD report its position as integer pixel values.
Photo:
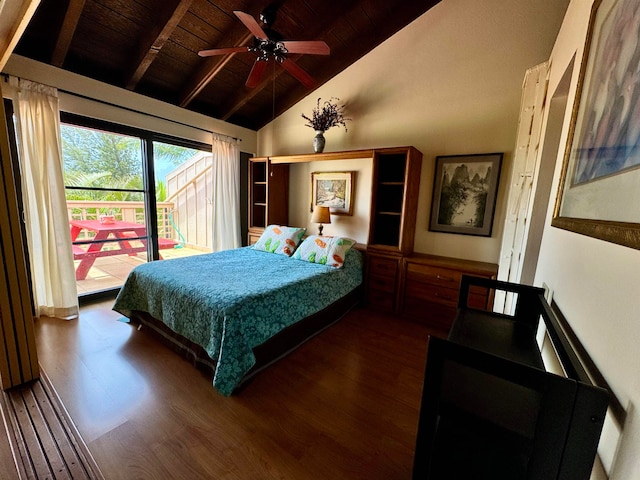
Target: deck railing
(124, 211)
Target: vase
(318, 142)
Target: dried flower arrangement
(330, 115)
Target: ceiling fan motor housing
(270, 48)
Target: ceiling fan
(268, 45)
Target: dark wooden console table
(491, 410)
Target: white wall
(76, 94)
(355, 226)
(449, 83)
(595, 283)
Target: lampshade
(321, 215)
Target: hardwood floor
(343, 406)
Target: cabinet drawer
(478, 299)
(384, 284)
(381, 266)
(432, 293)
(434, 275)
(380, 299)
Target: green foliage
(80, 179)
(102, 180)
(92, 151)
(161, 191)
(96, 159)
(174, 154)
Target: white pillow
(324, 250)
(280, 239)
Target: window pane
(183, 193)
(106, 208)
(106, 202)
(93, 158)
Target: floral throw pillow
(280, 239)
(324, 250)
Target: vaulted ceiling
(151, 47)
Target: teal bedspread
(231, 301)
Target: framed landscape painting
(464, 193)
(598, 194)
(333, 190)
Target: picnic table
(116, 233)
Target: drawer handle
(441, 277)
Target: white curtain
(226, 193)
(45, 209)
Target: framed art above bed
(333, 190)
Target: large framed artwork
(599, 190)
(464, 193)
(333, 190)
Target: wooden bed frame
(267, 353)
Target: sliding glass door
(132, 196)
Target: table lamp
(321, 215)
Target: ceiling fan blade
(302, 76)
(251, 24)
(257, 71)
(222, 51)
(315, 47)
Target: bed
(236, 311)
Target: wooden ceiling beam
(113, 53)
(211, 68)
(69, 24)
(154, 42)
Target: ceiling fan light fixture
(268, 44)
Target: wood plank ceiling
(150, 47)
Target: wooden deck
(112, 271)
